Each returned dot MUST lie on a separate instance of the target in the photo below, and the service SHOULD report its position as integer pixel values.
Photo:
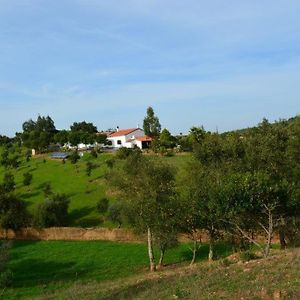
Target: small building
(129, 138)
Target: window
(119, 142)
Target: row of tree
(40, 134)
(238, 185)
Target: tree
(147, 188)
(38, 134)
(53, 211)
(62, 137)
(151, 124)
(27, 178)
(74, 157)
(254, 203)
(102, 205)
(116, 212)
(166, 139)
(8, 184)
(83, 127)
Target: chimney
(117, 128)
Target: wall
(71, 233)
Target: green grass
(277, 277)
(84, 191)
(44, 266)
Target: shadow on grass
(28, 195)
(88, 222)
(79, 213)
(221, 250)
(30, 272)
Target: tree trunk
(282, 234)
(211, 246)
(282, 239)
(150, 251)
(194, 252)
(161, 259)
(270, 233)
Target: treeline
(42, 133)
(238, 186)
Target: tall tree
(151, 124)
(38, 134)
(147, 189)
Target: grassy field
(47, 266)
(84, 191)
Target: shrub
(89, 167)
(74, 157)
(247, 255)
(110, 163)
(47, 189)
(27, 178)
(102, 205)
(115, 213)
(94, 153)
(169, 153)
(52, 212)
(8, 184)
(123, 153)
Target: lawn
(83, 191)
(44, 266)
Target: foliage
(13, 213)
(166, 139)
(74, 157)
(116, 213)
(89, 167)
(247, 256)
(8, 185)
(151, 124)
(102, 205)
(110, 162)
(38, 134)
(27, 178)
(124, 152)
(53, 211)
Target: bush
(8, 184)
(169, 153)
(94, 153)
(247, 256)
(89, 167)
(47, 189)
(115, 213)
(27, 178)
(74, 157)
(52, 212)
(110, 162)
(123, 153)
(102, 205)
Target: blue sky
(221, 64)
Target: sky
(221, 64)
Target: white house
(129, 138)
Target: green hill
(71, 179)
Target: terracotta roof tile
(123, 132)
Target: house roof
(143, 138)
(121, 132)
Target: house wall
(124, 138)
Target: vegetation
(43, 267)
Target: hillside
(277, 277)
(71, 179)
